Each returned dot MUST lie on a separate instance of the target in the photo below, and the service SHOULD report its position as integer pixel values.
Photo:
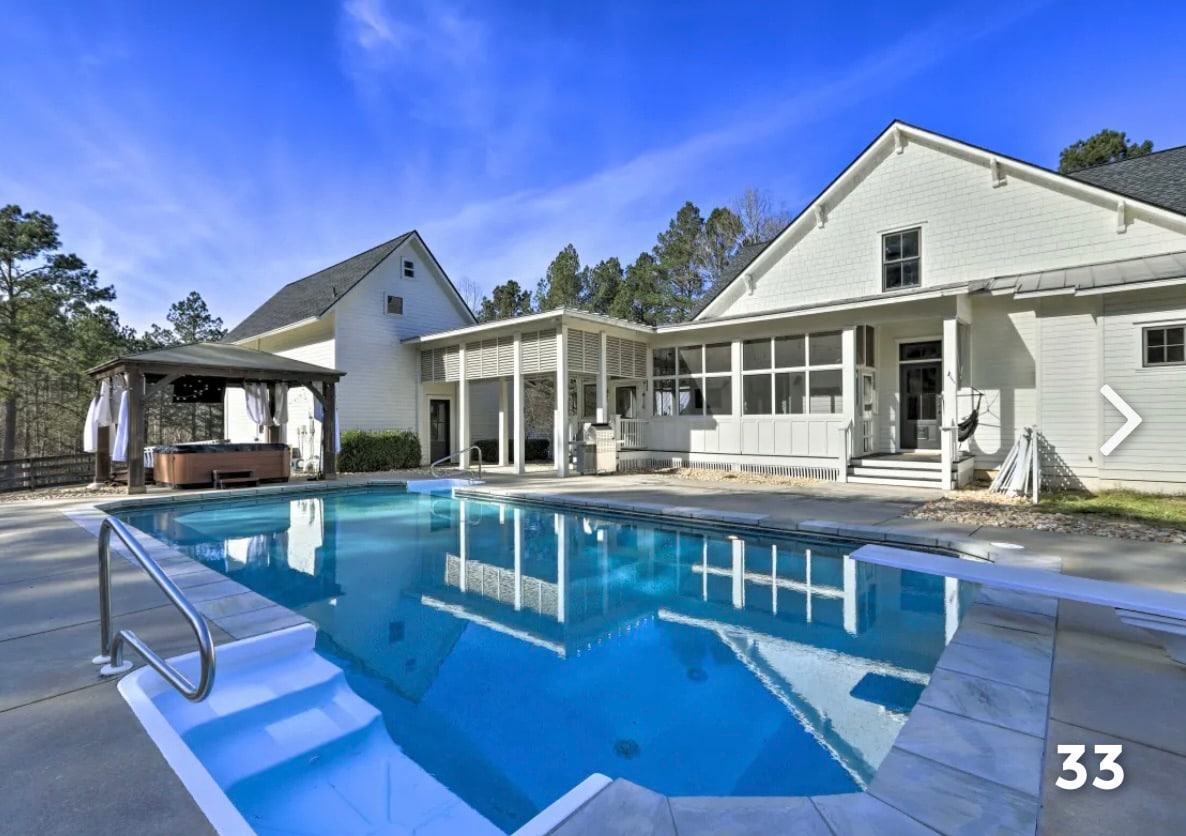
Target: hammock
(967, 427)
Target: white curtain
(257, 403)
(280, 403)
(119, 447)
(90, 433)
(103, 412)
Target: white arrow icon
(1131, 419)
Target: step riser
(915, 475)
(901, 483)
(891, 464)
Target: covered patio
(596, 368)
(205, 370)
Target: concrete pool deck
(86, 766)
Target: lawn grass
(1156, 509)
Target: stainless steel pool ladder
(111, 648)
(432, 468)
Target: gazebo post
(135, 453)
(103, 457)
(329, 430)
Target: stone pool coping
(970, 753)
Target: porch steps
(904, 472)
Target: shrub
(364, 451)
(538, 449)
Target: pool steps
(284, 737)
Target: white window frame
(884, 263)
(408, 268)
(806, 369)
(699, 379)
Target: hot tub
(193, 465)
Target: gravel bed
(62, 492)
(982, 507)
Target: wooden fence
(46, 471)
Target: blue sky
(231, 147)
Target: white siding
(1004, 367)
(1154, 456)
(380, 390)
(311, 344)
(970, 230)
(1068, 381)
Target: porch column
(848, 397)
(561, 525)
(329, 430)
(949, 409)
(520, 444)
(502, 422)
(462, 410)
(135, 451)
(602, 384)
(560, 433)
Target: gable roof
(1158, 178)
(898, 132)
(313, 296)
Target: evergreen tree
(603, 286)
(677, 253)
(505, 301)
(1105, 147)
(640, 296)
(722, 234)
(41, 289)
(563, 285)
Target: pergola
(149, 371)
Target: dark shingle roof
(743, 258)
(1158, 178)
(313, 295)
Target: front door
(920, 387)
(439, 431)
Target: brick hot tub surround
(193, 465)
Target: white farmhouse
(931, 278)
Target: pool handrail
(111, 646)
(432, 468)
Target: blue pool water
(514, 650)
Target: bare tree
(761, 220)
(471, 294)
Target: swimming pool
(514, 650)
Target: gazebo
(208, 366)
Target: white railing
(845, 431)
(632, 432)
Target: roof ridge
(396, 240)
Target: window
(866, 346)
(1165, 346)
(900, 260)
(693, 380)
(794, 375)
(409, 269)
(395, 305)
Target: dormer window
(901, 265)
(409, 269)
(395, 305)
